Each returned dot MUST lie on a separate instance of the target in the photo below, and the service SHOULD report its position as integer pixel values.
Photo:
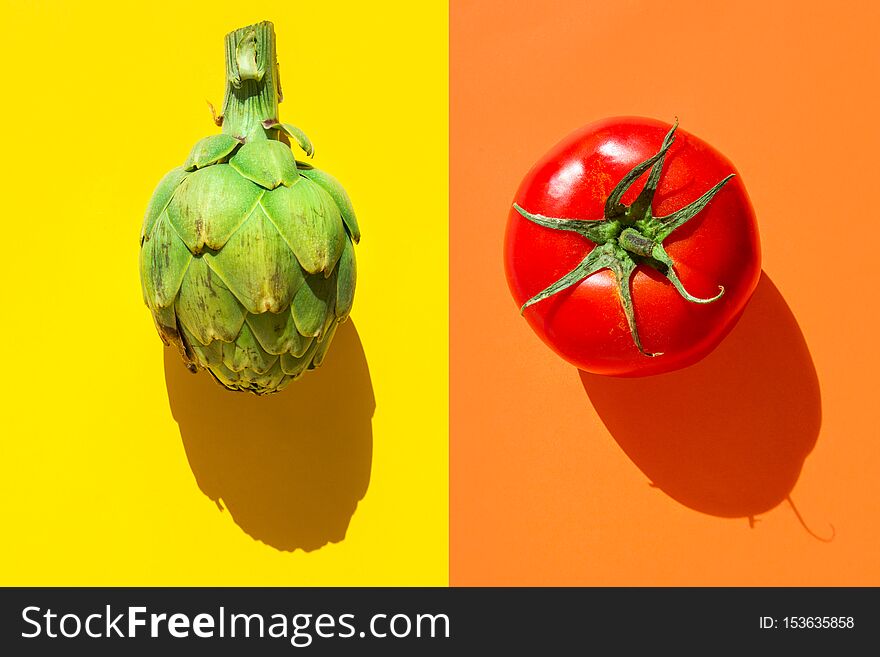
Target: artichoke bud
(247, 255)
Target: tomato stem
(634, 242)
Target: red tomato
(639, 246)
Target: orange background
(550, 469)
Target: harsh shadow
(290, 467)
(727, 436)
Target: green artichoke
(247, 260)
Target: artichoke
(247, 260)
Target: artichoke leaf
(208, 355)
(164, 259)
(346, 277)
(246, 352)
(294, 366)
(226, 376)
(210, 150)
(165, 320)
(277, 333)
(324, 345)
(294, 133)
(171, 332)
(210, 205)
(160, 199)
(273, 380)
(310, 223)
(330, 317)
(206, 307)
(267, 162)
(257, 266)
(312, 303)
(337, 192)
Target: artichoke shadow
(727, 436)
(290, 468)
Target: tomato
(632, 248)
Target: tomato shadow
(290, 468)
(727, 436)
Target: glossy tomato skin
(585, 324)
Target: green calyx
(628, 236)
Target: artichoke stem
(253, 89)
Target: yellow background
(99, 101)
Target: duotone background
(441, 442)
